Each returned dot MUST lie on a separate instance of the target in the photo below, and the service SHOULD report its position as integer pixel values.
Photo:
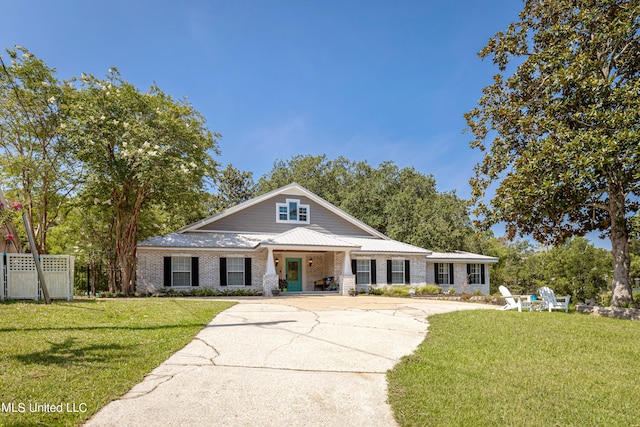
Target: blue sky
(367, 80)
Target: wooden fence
(19, 278)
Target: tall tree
(234, 186)
(563, 119)
(139, 150)
(35, 160)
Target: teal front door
(294, 274)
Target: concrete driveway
(293, 360)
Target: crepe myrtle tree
(138, 149)
(560, 126)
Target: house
(293, 234)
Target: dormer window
(292, 212)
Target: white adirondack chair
(512, 303)
(552, 302)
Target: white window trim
(477, 274)
(174, 270)
(293, 221)
(242, 257)
(368, 270)
(401, 262)
(444, 266)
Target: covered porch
(305, 261)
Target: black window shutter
(389, 272)
(407, 271)
(167, 271)
(195, 272)
(373, 272)
(451, 279)
(468, 271)
(354, 266)
(435, 273)
(247, 271)
(223, 272)
(482, 273)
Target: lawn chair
(552, 302)
(512, 304)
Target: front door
(294, 274)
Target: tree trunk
(621, 286)
(127, 239)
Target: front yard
(489, 368)
(60, 363)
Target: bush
(397, 291)
(428, 290)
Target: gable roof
(292, 189)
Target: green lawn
(490, 368)
(78, 356)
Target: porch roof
(301, 237)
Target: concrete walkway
(294, 360)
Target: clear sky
(364, 79)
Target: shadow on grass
(106, 328)
(67, 353)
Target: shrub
(429, 290)
(397, 291)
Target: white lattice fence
(3, 291)
(56, 270)
(22, 276)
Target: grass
(488, 368)
(83, 354)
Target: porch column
(271, 267)
(346, 267)
(270, 279)
(347, 279)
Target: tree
(563, 121)
(139, 150)
(36, 162)
(234, 187)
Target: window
(292, 212)
(282, 213)
(475, 272)
(363, 272)
(235, 271)
(181, 271)
(397, 271)
(443, 274)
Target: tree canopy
(562, 122)
(137, 149)
(36, 161)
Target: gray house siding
(261, 218)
